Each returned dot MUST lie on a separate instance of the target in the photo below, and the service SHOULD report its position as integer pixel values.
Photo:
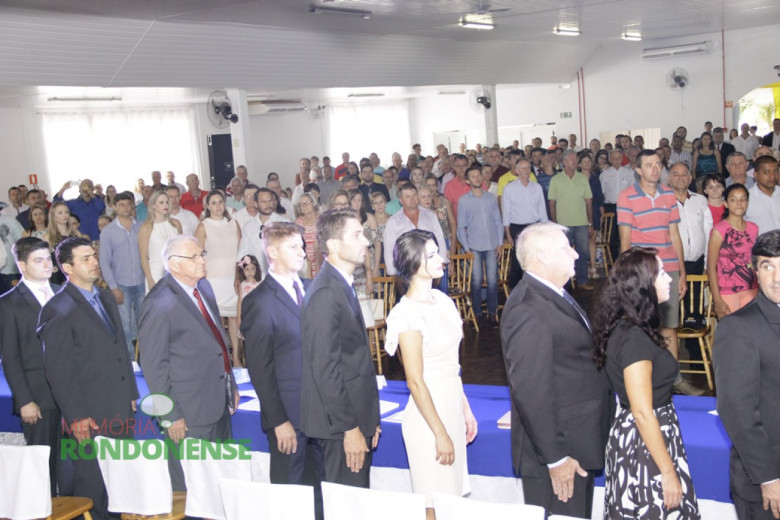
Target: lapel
(86, 308)
(189, 305)
(556, 300)
(283, 296)
(26, 295)
(109, 304)
(338, 281)
(770, 310)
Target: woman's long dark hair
(408, 255)
(629, 294)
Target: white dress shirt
(523, 204)
(764, 210)
(694, 226)
(614, 181)
(42, 291)
(287, 284)
(252, 243)
(188, 221)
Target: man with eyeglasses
(184, 350)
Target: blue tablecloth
(706, 442)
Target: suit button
(123, 378)
(222, 376)
(219, 355)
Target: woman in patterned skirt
(646, 468)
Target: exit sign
(565, 115)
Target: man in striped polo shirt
(647, 216)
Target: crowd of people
(194, 283)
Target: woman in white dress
(438, 423)
(152, 236)
(220, 236)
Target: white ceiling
(277, 45)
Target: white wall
(280, 140)
(21, 149)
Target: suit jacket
(88, 368)
(338, 385)
(560, 400)
(747, 360)
(271, 325)
(21, 348)
(726, 149)
(180, 356)
(767, 140)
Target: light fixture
(362, 13)
(566, 31)
(472, 24)
(365, 94)
(677, 50)
(85, 99)
(631, 36)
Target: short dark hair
(644, 153)
(563, 140)
(727, 192)
(473, 167)
(24, 246)
(350, 177)
(459, 157)
(312, 186)
(172, 187)
(408, 252)
(259, 191)
(126, 195)
(331, 225)
(767, 245)
(272, 174)
(12, 188)
(406, 187)
(32, 191)
(64, 251)
(764, 159)
(251, 186)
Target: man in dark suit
(339, 397)
(725, 149)
(183, 350)
(271, 326)
(772, 139)
(560, 401)
(747, 360)
(87, 363)
(21, 349)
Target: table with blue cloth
(706, 442)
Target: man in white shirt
(251, 239)
(249, 211)
(16, 205)
(736, 165)
(170, 177)
(764, 207)
(695, 219)
(679, 153)
(186, 218)
(745, 142)
(276, 186)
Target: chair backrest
(460, 274)
(384, 290)
(353, 503)
(505, 261)
(605, 226)
(135, 484)
(451, 507)
(25, 489)
(698, 303)
(261, 501)
(561, 517)
(203, 472)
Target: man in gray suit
(747, 360)
(183, 350)
(339, 398)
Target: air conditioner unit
(675, 51)
(275, 106)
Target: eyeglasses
(194, 257)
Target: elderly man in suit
(21, 349)
(183, 350)
(747, 361)
(339, 397)
(87, 363)
(560, 401)
(271, 326)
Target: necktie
(102, 313)
(298, 294)
(47, 293)
(218, 337)
(573, 303)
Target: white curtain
(361, 129)
(118, 147)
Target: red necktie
(214, 329)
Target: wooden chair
(384, 291)
(460, 286)
(26, 490)
(504, 265)
(698, 313)
(602, 242)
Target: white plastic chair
(353, 503)
(562, 517)
(451, 507)
(24, 480)
(139, 485)
(202, 475)
(261, 501)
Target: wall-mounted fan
(677, 79)
(480, 99)
(220, 109)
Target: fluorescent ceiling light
(566, 31)
(677, 50)
(362, 13)
(452, 92)
(366, 94)
(631, 36)
(85, 99)
(471, 24)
